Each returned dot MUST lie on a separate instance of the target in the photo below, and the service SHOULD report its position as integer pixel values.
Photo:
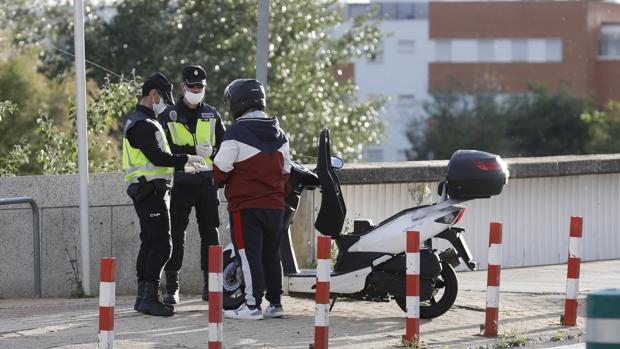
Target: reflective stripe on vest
(136, 164)
(205, 131)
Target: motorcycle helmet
(244, 94)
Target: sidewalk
(530, 307)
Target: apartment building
(510, 43)
(486, 45)
(400, 72)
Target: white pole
(262, 43)
(80, 79)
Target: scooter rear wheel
(446, 283)
(233, 284)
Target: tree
(458, 121)
(304, 91)
(105, 118)
(44, 27)
(17, 156)
(29, 92)
(548, 123)
(50, 147)
(540, 123)
(603, 129)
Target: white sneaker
(274, 311)
(244, 313)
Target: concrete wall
(114, 226)
(114, 231)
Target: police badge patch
(173, 115)
(208, 115)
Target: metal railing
(36, 237)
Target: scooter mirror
(337, 162)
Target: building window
(356, 10)
(388, 10)
(374, 155)
(391, 10)
(406, 46)
(420, 10)
(486, 51)
(405, 11)
(519, 50)
(500, 50)
(443, 51)
(405, 101)
(554, 50)
(609, 41)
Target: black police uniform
(151, 201)
(151, 198)
(148, 166)
(192, 190)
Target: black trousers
(256, 234)
(203, 197)
(155, 243)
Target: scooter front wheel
(233, 284)
(446, 284)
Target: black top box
(474, 174)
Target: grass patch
(559, 336)
(416, 343)
(510, 339)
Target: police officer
(192, 127)
(148, 166)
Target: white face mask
(194, 98)
(159, 108)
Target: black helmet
(244, 94)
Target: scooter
(371, 260)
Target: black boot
(150, 304)
(139, 295)
(172, 288)
(205, 288)
(136, 306)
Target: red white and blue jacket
(254, 163)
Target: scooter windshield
(330, 218)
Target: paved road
(548, 279)
(530, 306)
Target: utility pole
(262, 43)
(82, 139)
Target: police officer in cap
(192, 127)
(148, 166)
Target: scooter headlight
(452, 217)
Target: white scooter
(371, 260)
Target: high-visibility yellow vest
(205, 131)
(135, 163)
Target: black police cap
(161, 84)
(194, 74)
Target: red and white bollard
(323, 270)
(491, 323)
(216, 324)
(412, 332)
(107, 300)
(572, 281)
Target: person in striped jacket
(254, 163)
